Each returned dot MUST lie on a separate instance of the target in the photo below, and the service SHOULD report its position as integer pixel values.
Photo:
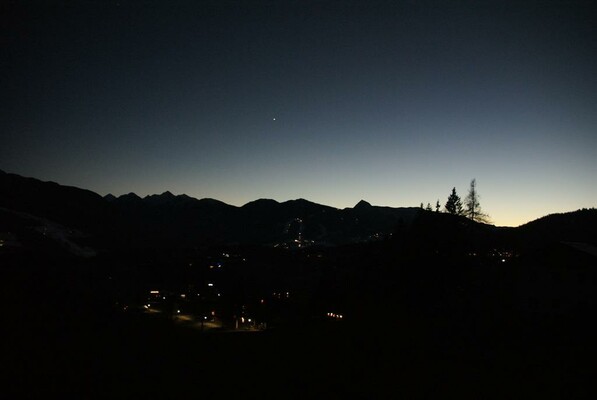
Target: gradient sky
(334, 101)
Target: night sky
(332, 101)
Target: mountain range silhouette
(179, 220)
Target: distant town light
(154, 292)
(210, 284)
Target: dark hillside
(577, 226)
(68, 205)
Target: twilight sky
(393, 102)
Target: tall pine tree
(454, 204)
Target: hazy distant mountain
(170, 220)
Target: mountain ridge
(181, 220)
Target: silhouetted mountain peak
(110, 197)
(129, 196)
(128, 200)
(363, 204)
(166, 195)
(211, 202)
(298, 201)
(305, 206)
(159, 199)
(261, 203)
(303, 203)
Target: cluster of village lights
(334, 315)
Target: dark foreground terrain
(519, 329)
